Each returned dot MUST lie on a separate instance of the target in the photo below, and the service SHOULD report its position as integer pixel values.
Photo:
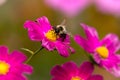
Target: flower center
(76, 78)
(102, 51)
(51, 35)
(4, 68)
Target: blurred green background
(14, 13)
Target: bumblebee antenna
(63, 22)
(70, 34)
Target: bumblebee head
(59, 29)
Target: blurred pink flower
(41, 30)
(2, 2)
(70, 71)
(72, 8)
(12, 65)
(68, 7)
(109, 6)
(103, 51)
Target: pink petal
(44, 23)
(66, 40)
(2, 77)
(68, 7)
(62, 49)
(17, 56)
(48, 44)
(97, 58)
(27, 69)
(58, 78)
(58, 71)
(112, 42)
(72, 50)
(116, 71)
(111, 61)
(91, 33)
(109, 39)
(84, 43)
(34, 30)
(3, 52)
(71, 68)
(15, 76)
(109, 6)
(86, 70)
(95, 77)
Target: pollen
(4, 68)
(102, 51)
(51, 35)
(76, 78)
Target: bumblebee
(60, 30)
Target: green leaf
(25, 49)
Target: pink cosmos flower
(70, 71)
(73, 7)
(41, 30)
(12, 65)
(109, 6)
(68, 7)
(2, 2)
(103, 51)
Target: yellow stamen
(4, 68)
(51, 35)
(102, 51)
(76, 78)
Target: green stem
(37, 51)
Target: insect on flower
(50, 37)
(60, 30)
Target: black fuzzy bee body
(60, 31)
